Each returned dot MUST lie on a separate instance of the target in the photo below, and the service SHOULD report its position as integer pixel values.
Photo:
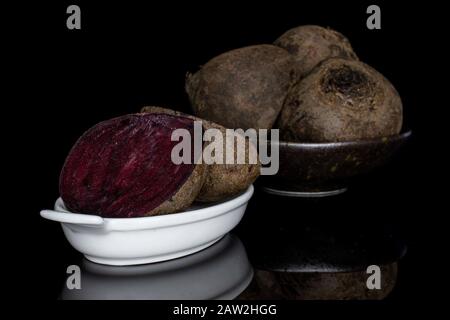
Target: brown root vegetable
(122, 168)
(243, 88)
(341, 100)
(222, 180)
(311, 45)
(226, 180)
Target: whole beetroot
(341, 100)
(222, 180)
(311, 45)
(122, 168)
(243, 88)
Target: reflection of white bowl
(130, 241)
(221, 271)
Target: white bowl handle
(74, 218)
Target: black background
(128, 55)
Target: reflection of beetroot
(122, 168)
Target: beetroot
(310, 45)
(222, 180)
(242, 88)
(341, 100)
(122, 167)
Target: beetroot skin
(122, 168)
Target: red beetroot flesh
(122, 167)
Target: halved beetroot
(122, 167)
(222, 180)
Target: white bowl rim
(61, 214)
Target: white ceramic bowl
(131, 241)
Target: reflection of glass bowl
(321, 169)
(320, 257)
(221, 271)
(320, 285)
